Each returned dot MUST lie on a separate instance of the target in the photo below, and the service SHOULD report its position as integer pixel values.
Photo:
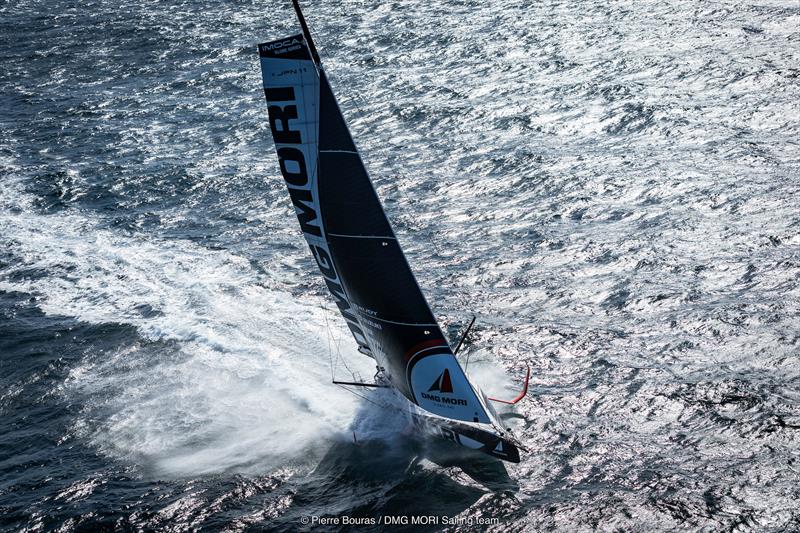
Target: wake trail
(229, 369)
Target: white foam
(230, 370)
(488, 374)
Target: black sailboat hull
(468, 436)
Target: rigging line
(383, 406)
(344, 362)
(339, 357)
(312, 113)
(337, 340)
(463, 338)
(328, 335)
(334, 363)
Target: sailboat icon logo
(442, 383)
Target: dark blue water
(612, 189)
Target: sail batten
(387, 237)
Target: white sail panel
(440, 387)
(292, 87)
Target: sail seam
(400, 323)
(362, 236)
(338, 152)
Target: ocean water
(611, 188)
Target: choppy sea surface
(613, 188)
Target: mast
(306, 33)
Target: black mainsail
(357, 252)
